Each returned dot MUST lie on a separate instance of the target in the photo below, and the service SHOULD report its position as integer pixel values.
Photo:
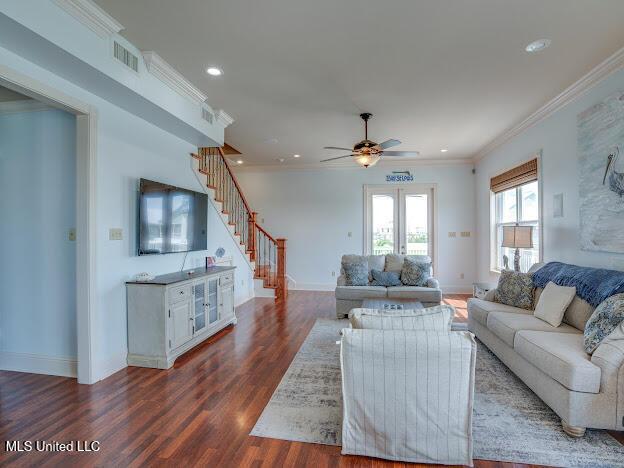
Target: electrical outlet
(461, 276)
(349, 234)
(72, 234)
(452, 234)
(115, 234)
(465, 233)
(333, 273)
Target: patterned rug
(510, 422)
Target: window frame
(494, 224)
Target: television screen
(171, 219)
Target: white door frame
(368, 214)
(86, 153)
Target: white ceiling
(435, 74)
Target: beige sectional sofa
(350, 297)
(584, 390)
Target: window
(516, 205)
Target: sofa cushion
(356, 274)
(578, 312)
(515, 289)
(553, 303)
(375, 262)
(394, 262)
(418, 293)
(479, 309)
(415, 273)
(505, 325)
(385, 278)
(562, 357)
(360, 292)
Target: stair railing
(268, 253)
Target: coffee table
(391, 304)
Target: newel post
(282, 284)
(252, 235)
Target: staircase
(266, 254)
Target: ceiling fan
(367, 153)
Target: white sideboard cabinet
(170, 314)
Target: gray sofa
(584, 390)
(350, 297)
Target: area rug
(510, 422)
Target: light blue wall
(556, 138)
(38, 208)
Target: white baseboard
(38, 364)
(243, 300)
(109, 366)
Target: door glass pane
(383, 224)
(213, 314)
(199, 301)
(529, 202)
(416, 224)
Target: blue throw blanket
(592, 284)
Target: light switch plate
(452, 234)
(72, 234)
(465, 233)
(115, 234)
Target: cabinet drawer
(227, 278)
(179, 293)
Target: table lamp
(517, 237)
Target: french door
(399, 219)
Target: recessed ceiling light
(538, 45)
(214, 71)
(240, 161)
(281, 160)
(296, 155)
(443, 150)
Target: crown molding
(403, 164)
(24, 105)
(171, 77)
(223, 118)
(92, 16)
(612, 64)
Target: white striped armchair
(408, 395)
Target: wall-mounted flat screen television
(171, 219)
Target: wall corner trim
(92, 16)
(157, 66)
(612, 64)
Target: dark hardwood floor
(200, 412)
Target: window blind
(515, 177)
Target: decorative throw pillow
(394, 262)
(553, 302)
(415, 273)
(515, 289)
(606, 318)
(385, 278)
(436, 318)
(356, 273)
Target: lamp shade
(518, 237)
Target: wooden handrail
(240, 191)
(268, 253)
(263, 231)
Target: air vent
(126, 57)
(207, 115)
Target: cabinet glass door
(199, 306)
(213, 313)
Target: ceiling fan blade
(339, 157)
(338, 148)
(389, 144)
(400, 153)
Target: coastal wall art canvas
(601, 170)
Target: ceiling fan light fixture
(367, 160)
(538, 45)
